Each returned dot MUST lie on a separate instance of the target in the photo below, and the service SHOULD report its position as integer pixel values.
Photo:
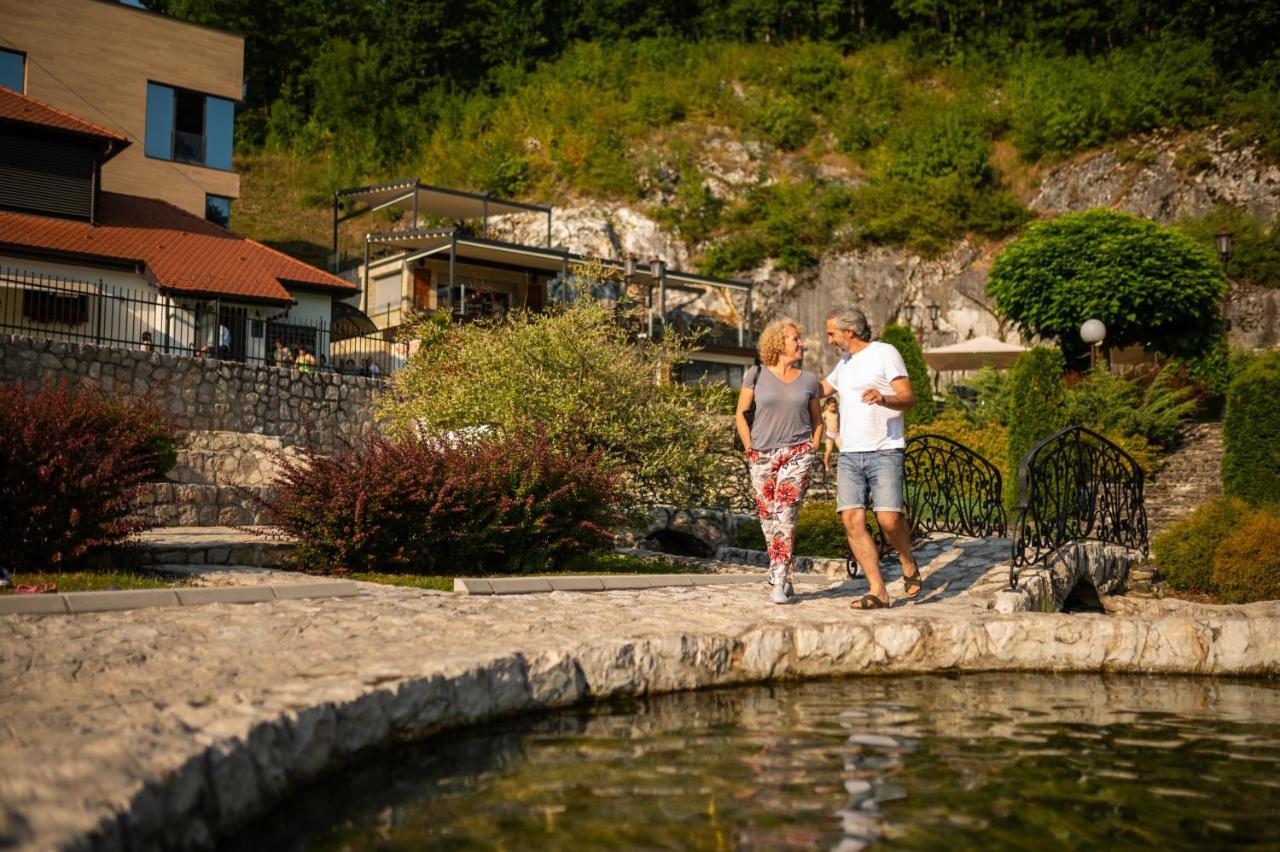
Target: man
(874, 390)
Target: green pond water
(931, 762)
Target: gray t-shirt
(782, 409)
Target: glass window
(189, 127)
(159, 138)
(219, 128)
(217, 209)
(13, 70)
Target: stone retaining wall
(206, 394)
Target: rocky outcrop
(1166, 177)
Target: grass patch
(595, 563)
(94, 581)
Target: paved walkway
(172, 726)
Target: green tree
(574, 373)
(903, 339)
(1037, 408)
(1251, 433)
(1149, 284)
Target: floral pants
(779, 479)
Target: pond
(928, 762)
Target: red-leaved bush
(71, 462)
(508, 504)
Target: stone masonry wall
(206, 394)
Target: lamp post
(1225, 240)
(1092, 332)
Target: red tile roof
(183, 253)
(20, 108)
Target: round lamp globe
(1093, 331)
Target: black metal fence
(1076, 485)
(950, 488)
(41, 305)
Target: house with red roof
(78, 262)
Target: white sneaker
(779, 595)
(789, 589)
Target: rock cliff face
(1163, 177)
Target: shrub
(819, 532)
(988, 439)
(1111, 404)
(71, 463)
(785, 122)
(1251, 433)
(1151, 285)
(1036, 409)
(574, 373)
(509, 503)
(1246, 565)
(1185, 551)
(904, 340)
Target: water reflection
(921, 762)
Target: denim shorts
(876, 475)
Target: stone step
(166, 546)
(1189, 477)
(172, 504)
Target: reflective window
(159, 136)
(13, 70)
(189, 127)
(219, 128)
(217, 209)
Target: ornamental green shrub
(1184, 552)
(1246, 565)
(1151, 285)
(1251, 433)
(576, 373)
(903, 339)
(72, 461)
(1037, 409)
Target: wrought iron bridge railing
(1076, 485)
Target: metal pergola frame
(418, 197)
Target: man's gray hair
(851, 319)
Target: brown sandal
(912, 584)
(871, 602)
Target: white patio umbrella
(974, 354)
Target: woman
(779, 442)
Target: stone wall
(207, 395)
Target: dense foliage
(1184, 552)
(1251, 433)
(575, 373)
(1151, 285)
(71, 463)
(503, 503)
(1246, 565)
(902, 338)
(1037, 403)
(924, 107)
(1255, 255)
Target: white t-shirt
(865, 428)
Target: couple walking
(873, 390)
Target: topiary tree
(1037, 408)
(1151, 285)
(903, 339)
(1251, 433)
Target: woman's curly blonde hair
(773, 340)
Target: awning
(435, 200)
(349, 321)
(974, 354)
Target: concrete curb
(609, 582)
(78, 602)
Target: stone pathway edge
(607, 582)
(71, 603)
(225, 780)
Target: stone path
(173, 726)
(1188, 477)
